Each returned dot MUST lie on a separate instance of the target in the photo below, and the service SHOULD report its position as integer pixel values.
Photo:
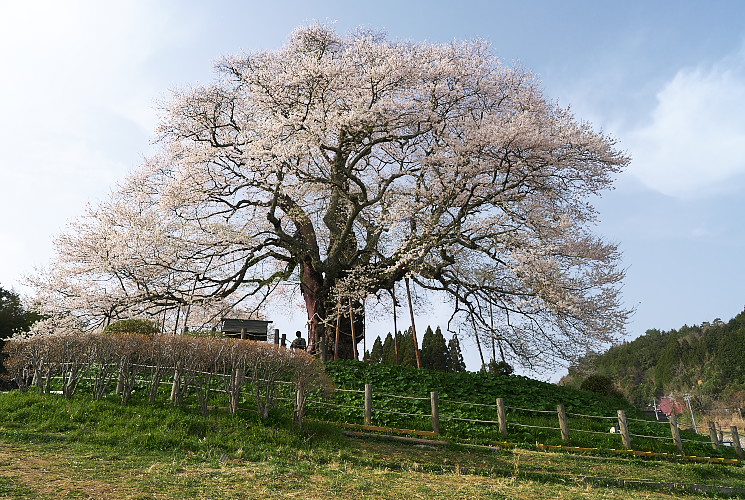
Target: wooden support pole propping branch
(413, 326)
(433, 398)
(675, 431)
(368, 404)
(338, 319)
(736, 442)
(624, 426)
(501, 417)
(713, 435)
(563, 422)
(354, 334)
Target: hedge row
(194, 364)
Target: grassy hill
(51, 447)
(704, 360)
(468, 413)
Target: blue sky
(80, 82)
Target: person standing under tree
(299, 342)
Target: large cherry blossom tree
(347, 163)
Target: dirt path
(53, 476)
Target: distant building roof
(255, 329)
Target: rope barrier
(591, 416)
(650, 437)
(587, 431)
(469, 420)
(533, 426)
(529, 409)
(400, 397)
(400, 413)
(466, 403)
(647, 421)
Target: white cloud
(695, 141)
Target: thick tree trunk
(311, 286)
(321, 316)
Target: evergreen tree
(427, 347)
(389, 351)
(13, 315)
(434, 350)
(376, 355)
(406, 353)
(455, 361)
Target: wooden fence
(567, 424)
(442, 415)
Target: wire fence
(493, 423)
(460, 420)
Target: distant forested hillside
(706, 360)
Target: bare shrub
(308, 375)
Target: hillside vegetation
(55, 447)
(704, 360)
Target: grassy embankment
(80, 448)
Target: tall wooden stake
(563, 422)
(736, 442)
(354, 336)
(478, 345)
(624, 426)
(395, 326)
(338, 319)
(676, 433)
(493, 337)
(413, 326)
(502, 417)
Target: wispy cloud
(692, 144)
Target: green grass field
(51, 447)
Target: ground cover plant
(229, 373)
(56, 447)
(468, 412)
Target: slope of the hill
(704, 360)
(474, 387)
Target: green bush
(600, 384)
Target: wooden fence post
(736, 442)
(676, 433)
(624, 426)
(563, 422)
(713, 435)
(435, 412)
(501, 416)
(368, 404)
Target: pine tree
(427, 347)
(389, 351)
(406, 353)
(455, 361)
(376, 355)
(439, 351)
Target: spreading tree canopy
(341, 164)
